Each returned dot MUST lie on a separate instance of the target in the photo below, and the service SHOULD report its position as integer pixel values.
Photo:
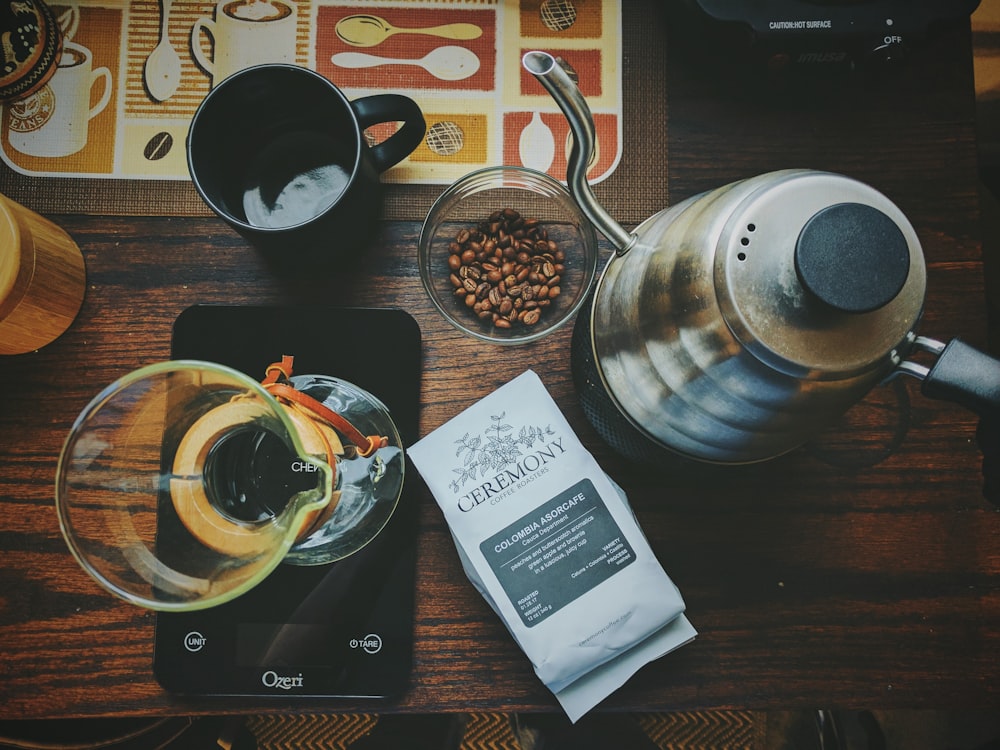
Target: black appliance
(341, 629)
(818, 34)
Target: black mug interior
(273, 147)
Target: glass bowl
(506, 255)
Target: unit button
(194, 641)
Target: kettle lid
(852, 257)
(819, 273)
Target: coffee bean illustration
(158, 146)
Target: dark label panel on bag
(557, 553)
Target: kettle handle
(962, 374)
(970, 378)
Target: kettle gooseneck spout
(558, 83)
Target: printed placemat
(122, 150)
(134, 71)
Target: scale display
(341, 629)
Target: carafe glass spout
(557, 82)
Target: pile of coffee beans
(506, 270)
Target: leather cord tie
(277, 372)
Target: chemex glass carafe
(184, 483)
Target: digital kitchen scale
(343, 629)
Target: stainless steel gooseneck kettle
(737, 324)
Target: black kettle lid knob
(852, 257)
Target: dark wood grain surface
(861, 570)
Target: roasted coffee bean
(506, 269)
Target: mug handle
(105, 94)
(209, 26)
(372, 110)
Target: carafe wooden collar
(318, 427)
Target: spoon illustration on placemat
(537, 145)
(446, 63)
(162, 72)
(369, 31)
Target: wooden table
(862, 570)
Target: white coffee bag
(551, 543)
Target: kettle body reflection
(734, 326)
(183, 484)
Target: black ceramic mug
(279, 153)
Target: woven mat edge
(695, 730)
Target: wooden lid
(15, 263)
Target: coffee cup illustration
(55, 120)
(245, 33)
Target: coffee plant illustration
(496, 448)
